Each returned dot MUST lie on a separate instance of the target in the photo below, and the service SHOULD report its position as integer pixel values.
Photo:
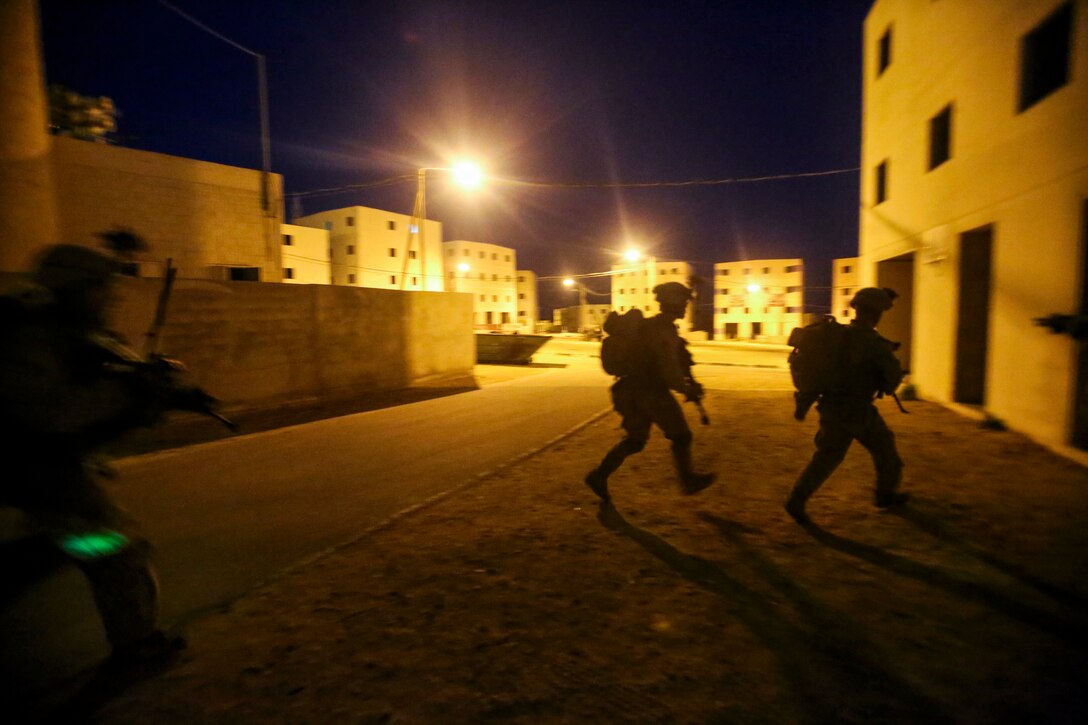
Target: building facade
(528, 301)
(305, 254)
(633, 285)
(489, 273)
(760, 299)
(377, 248)
(844, 284)
(974, 201)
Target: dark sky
(557, 92)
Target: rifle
(688, 362)
(191, 398)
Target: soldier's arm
(40, 396)
(891, 373)
(665, 345)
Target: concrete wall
(204, 216)
(252, 344)
(1021, 172)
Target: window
(350, 221)
(494, 255)
(392, 279)
(795, 268)
(482, 255)
(647, 308)
(415, 281)
(507, 257)
(288, 240)
(521, 278)
(483, 276)
(351, 249)
(288, 273)
(882, 182)
(392, 251)
(449, 252)
(940, 137)
(494, 298)
(494, 278)
(745, 270)
(746, 310)
(466, 253)
(846, 268)
(391, 225)
(1044, 57)
(521, 313)
(723, 310)
(411, 254)
(846, 313)
(724, 273)
(507, 298)
(621, 290)
(884, 52)
(508, 278)
(482, 298)
(328, 226)
(766, 270)
(453, 275)
(675, 270)
(622, 308)
(845, 291)
(793, 289)
(351, 279)
(521, 295)
(244, 274)
(793, 310)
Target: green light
(93, 545)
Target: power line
(207, 29)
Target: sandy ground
(518, 599)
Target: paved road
(228, 515)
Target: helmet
(68, 265)
(874, 298)
(672, 293)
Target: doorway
(731, 331)
(973, 321)
(757, 329)
(1080, 400)
(897, 323)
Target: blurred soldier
(67, 386)
(869, 368)
(643, 398)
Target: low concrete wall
(255, 344)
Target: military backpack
(622, 346)
(816, 361)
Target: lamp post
(467, 175)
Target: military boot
(691, 481)
(891, 499)
(597, 480)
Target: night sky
(554, 92)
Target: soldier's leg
(880, 442)
(125, 591)
(832, 443)
(669, 417)
(636, 426)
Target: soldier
(643, 398)
(847, 413)
(61, 396)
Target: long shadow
(939, 530)
(988, 596)
(831, 673)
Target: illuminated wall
(759, 299)
(633, 285)
(973, 192)
(368, 248)
(844, 284)
(305, 253)
(489, 273)
(528, 305)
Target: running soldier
(644, 398)
(869, 368)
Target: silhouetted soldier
(65, 389)
(644, 399)
(869, 368)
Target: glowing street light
(632, 255)
(467, 174)
(753, 288)
(568, 282)
(463, 267)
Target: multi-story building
(633, 285)
(378, 248)
(528, 305)
(305, 254)
(760, 299)
(844, 284)
(489, 273)
(974, 201)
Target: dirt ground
(519, 599)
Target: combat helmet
(874, 298)
(672, 294)
(70, 265)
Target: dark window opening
(351, 221)
(245, 274)
(288, 273)
(1044, 57)
(287, 240)
(940, 137)
(882, 182)
(884, 52)
(130, 269)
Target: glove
(694, 391)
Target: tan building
(974, 200)
(633, 285)
(761, 299)
(305, 254)
(370, 248)
(580, 317)
(489, 273)
(528, 304)
(844, 285)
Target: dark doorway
(897, 274)
(731, 331)
(1080, 401)
(757, 329)
(973, 323)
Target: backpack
(815, 361)
(621, 347)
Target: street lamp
(463, 267)
(466, 174)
